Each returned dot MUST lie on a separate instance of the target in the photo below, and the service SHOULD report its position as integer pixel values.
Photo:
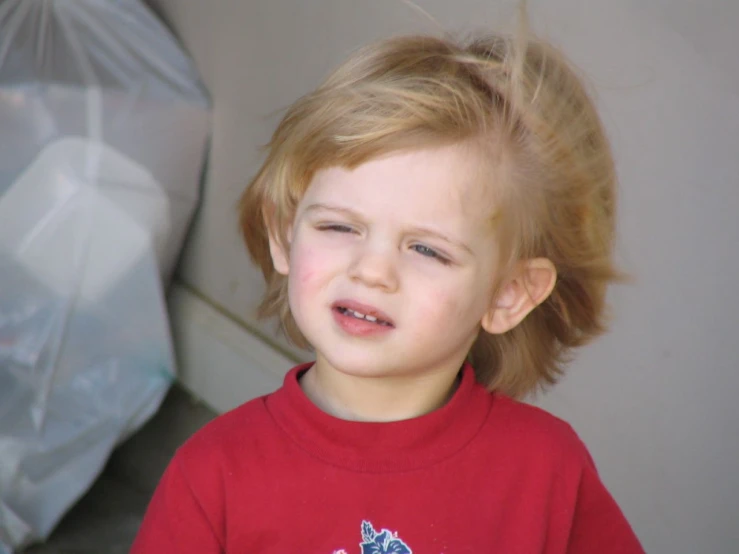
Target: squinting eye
(429, 253)
(335, 227)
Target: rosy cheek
(306, 277)
(306, 267)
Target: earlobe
(278, 250)
(530, 286)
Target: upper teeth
(362, 316)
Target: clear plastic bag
(103, 131)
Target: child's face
(405, 240)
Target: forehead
(442, 182)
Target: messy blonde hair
(516, 96)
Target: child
(436, 221)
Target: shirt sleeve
(598, 523)
(176, 520)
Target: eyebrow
(414, 230)
(318, 207)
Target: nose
(375, 266)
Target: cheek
(437, 305)
(307, 267)
(301, 287)
(444, 319)
(302, 269)
(305, 276)
(455, 304)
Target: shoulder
(241, 442)
(527, 428)
(540, 452)
(228, 437)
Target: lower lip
(359, 327)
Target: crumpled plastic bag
(103, 132)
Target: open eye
(429, 253)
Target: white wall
(656, 400)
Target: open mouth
(359, 315)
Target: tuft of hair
(546, 158)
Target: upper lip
(365, 309)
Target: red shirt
(482, 474)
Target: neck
(377, 399)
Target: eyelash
(336, 227)
(424, 251)
(430, 253)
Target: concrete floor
(106, 519)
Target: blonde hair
(519, 97)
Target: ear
(531, 285)
(278, 250)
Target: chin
(360, 365)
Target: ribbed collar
(381, 447)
